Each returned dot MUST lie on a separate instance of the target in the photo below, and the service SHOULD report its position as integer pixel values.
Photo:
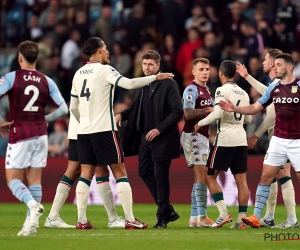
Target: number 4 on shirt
(85, 92)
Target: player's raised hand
(118, 119)
(241, 69)
(252, 141)
(196, 128)
(227, 106)
(162, 76)
(4, 128)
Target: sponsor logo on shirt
(189, 98)
(219, 94)
(285, 100)
(205, 102)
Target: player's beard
(282, 76)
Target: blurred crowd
(180, 30)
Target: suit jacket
(166, 105)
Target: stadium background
(175, 28)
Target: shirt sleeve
(112, 75)
(218, 112)
(212, 117)
(54, 92)
(190, 96)
(220, 95)
(247, 119)
(74, 92)
(266, 99)
(268, 122)
(74, 108)
(260, 88)
(7, 82)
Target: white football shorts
(28, 153)
(280, 150)
(196, 148)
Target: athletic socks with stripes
(201, 198)
(194, 212)
(262, 194)
(20, 191)
(62, 193)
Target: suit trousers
(156, 177)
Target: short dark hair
(200, 60)
(152, 54)
(274, 52)
(91, 45)
(29, 50)
(228, 68)
(287, 58)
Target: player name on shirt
(238, 92)
(31, 78)
(86, 71)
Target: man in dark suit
(152, 134)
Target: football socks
(271, 202)
(288, 194)
(125, 197)
(82, 195)
(62, 192)
(262, 194)
(106, 195)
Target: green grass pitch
(177, 236)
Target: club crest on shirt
(2, 80)
(294, 89)
(204, 157)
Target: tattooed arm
(191, 114)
